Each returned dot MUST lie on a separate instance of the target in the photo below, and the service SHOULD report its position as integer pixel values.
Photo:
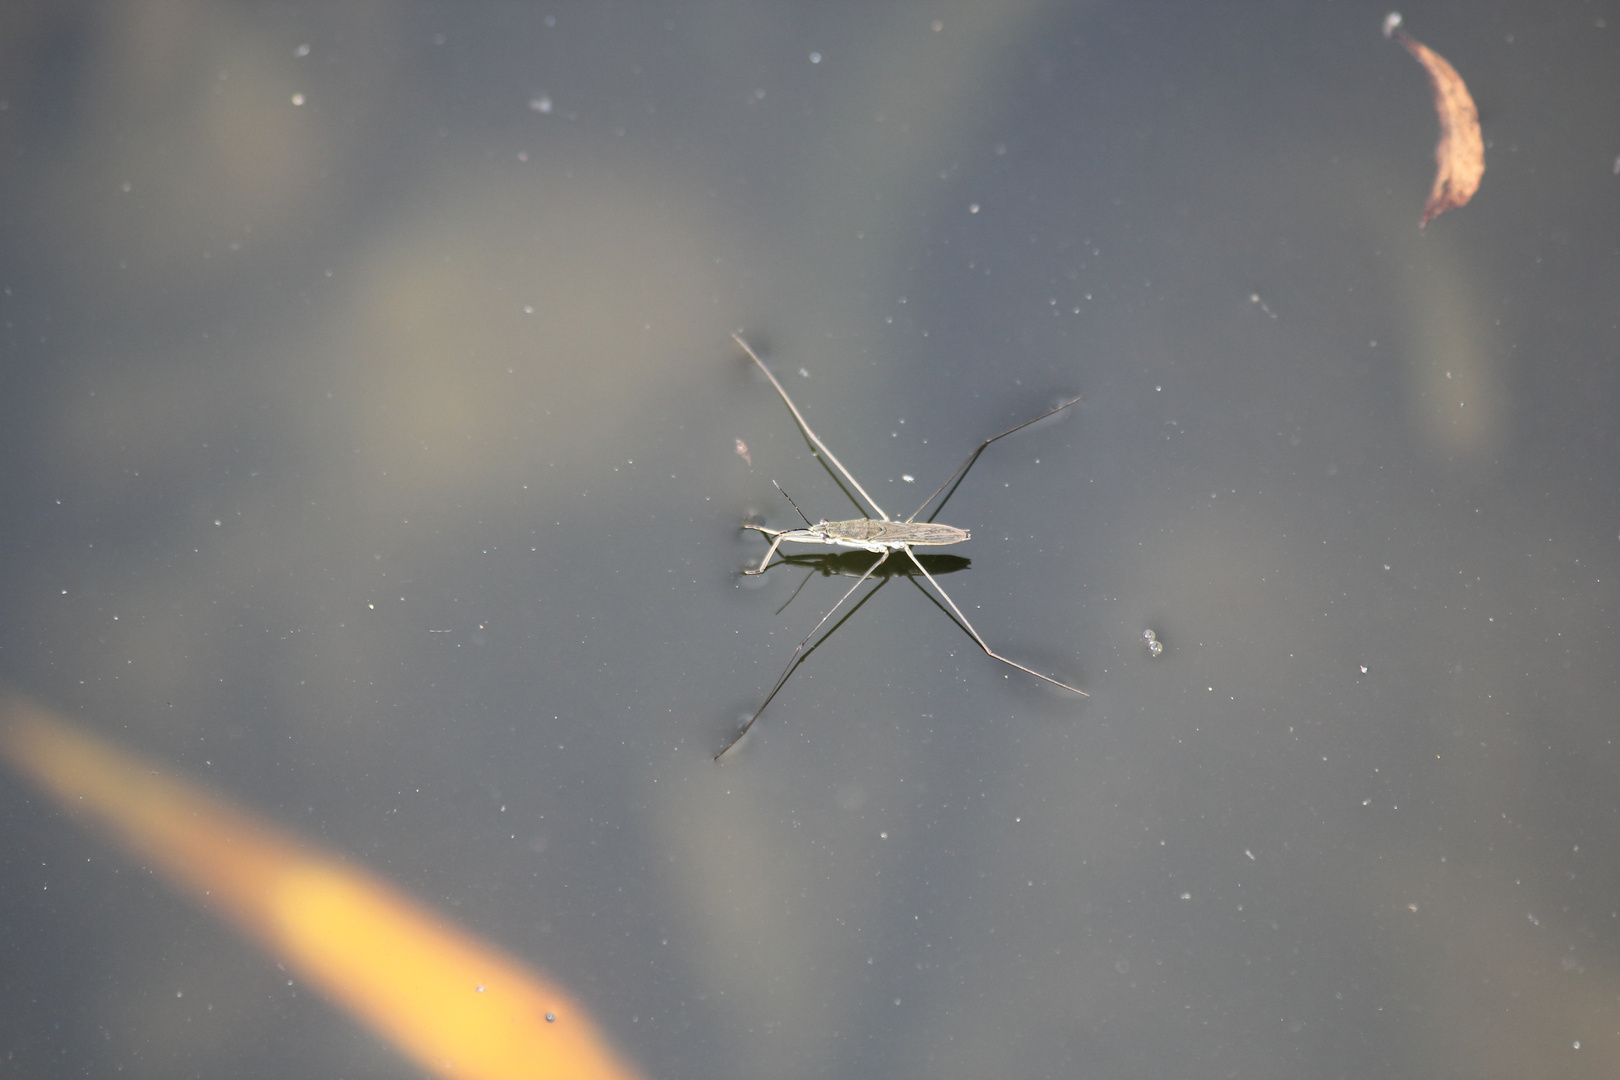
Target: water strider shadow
(855, 563)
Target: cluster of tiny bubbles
(1155, 646)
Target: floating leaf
(456, 1006)
(1460, 153)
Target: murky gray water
(370, 420)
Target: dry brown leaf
(1460, 153)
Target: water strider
(882, 536)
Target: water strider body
(862, 533)
(882, 535)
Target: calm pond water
(371, 423)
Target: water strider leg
(814, 438)
(776, 542)
(783, 678)
(961, 470)
(988, 650)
